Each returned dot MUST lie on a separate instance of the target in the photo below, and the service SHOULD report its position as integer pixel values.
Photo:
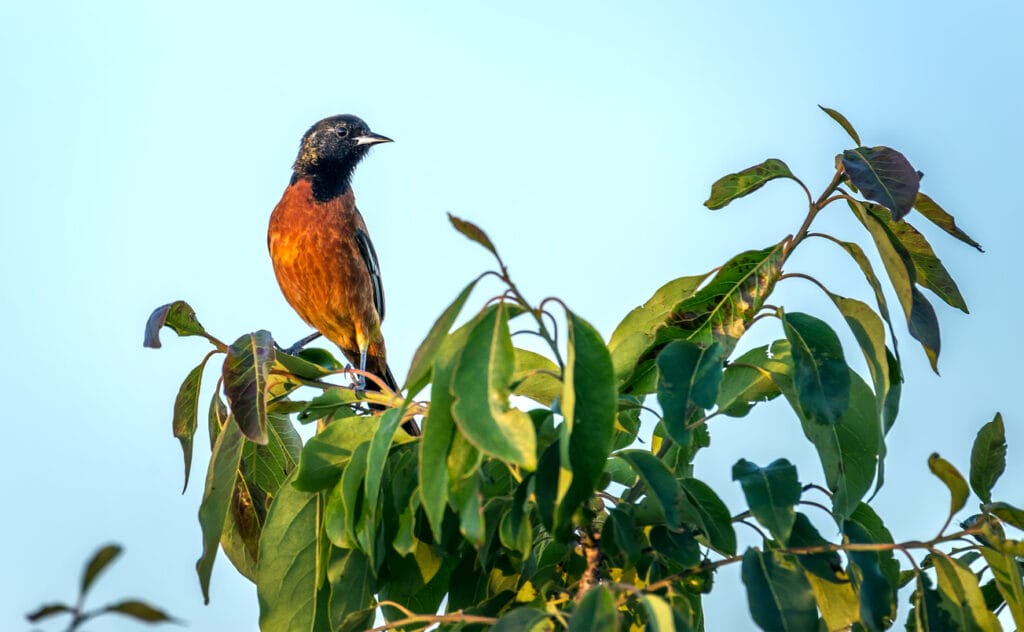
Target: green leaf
(213, 512)
(246, 370)
(473, 232)
(140, 610)
(821, 377)
(375, 460)
(715, 515)
(290, 563)
(771, 494)
(921, 320)
(267, 466)
(636, 332)
(186, 414)
(744, 386)
(689, 375)
(929, 271)
(883, 175)
(964, 600)
(326, 454)
(953, 479)
(343, 508)
(988, 458)
(217, 416)
(778, 593)
(589, 402)
(1007, 573)
(535, 376)
(659, 614)
(873, 530)
(826, 565)
(96, 565)
(737, 185)
(48, 610)
(662, 486)
(352, 585)
(332, 402)
(523, 620)
(179, 317)
(845, 124)
(596, 612)
(925, 614)
(876, 594)
(938, 216)
(481, 384)
(869, 332)
(1007, 513)
(848, 450)
(423, 359)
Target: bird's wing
(373, 266)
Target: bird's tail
(379, 367)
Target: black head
(330, 151)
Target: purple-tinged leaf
(178, 316)
(883, 175)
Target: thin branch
(811, 503)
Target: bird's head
(333, 147)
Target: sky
(145, 145)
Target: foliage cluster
(575, 515)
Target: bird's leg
(297, 347)
(361, 379)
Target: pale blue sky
(145, 146)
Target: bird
(323, 258)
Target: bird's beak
(369, 138)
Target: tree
(575, 514)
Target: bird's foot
(358, 380)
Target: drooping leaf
(845, 124)
(220, 483)
(715, 515)
(596, 612)
(659, 614)
(921, 320)
(1007, 513)
(635, 334)
(737, 185)
(821, 377)
(473, 232)
(481, 384)
(141, 611)
(777, 592)
(953, 479)
(988, 458)
(938, 216)
(179, 317)
(771, 494)
(535, 376)
(352, 585)
(246, 370)
(186, 414)
(689, 375)
(963, 597)
(929, 271)
(662, 486)
(876, 594)
(744, 385)
(883, 175)
(423, 359)
(848, 450)
(289, 561)
(826, 565)
(97, 564)
(588, 404)
(1007, 572)
(869, 332)
(48, 610)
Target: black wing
(373, 266)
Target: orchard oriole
(322, 254)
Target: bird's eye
(341, 131)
